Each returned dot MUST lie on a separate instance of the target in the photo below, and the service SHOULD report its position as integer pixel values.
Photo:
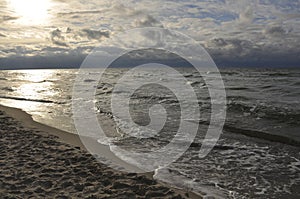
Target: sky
(60, 33)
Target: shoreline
(24, 120)
(63, 136)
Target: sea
(256, 156)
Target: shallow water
(260, 103)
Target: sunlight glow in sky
(30, 12)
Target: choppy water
(256, 157)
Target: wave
(32, 100)
(283, 114)
(262, 135)
(89, 80)
(179, 180)
(216, 147)
(161, 99)
(267, 86)
(188, 75)
(7, 89)
(230, 73)
(238, 88)
(250, 133)
(296, 84)
(43, 81)
(238, 98)
(238, 107)
(279, 74)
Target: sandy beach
(38, 161)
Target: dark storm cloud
(71, 60)
(225, 48)
(236, 52)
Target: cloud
(229, 47)
(66, 37)
(94, 34)
(236, 52)
(275, 31)
(62, 14)
(46, 59)
(247, 31)
(57, 38)
(247, 16)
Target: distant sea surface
(257, 155)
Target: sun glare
(33, 85)
(37, 84)
(31, 12)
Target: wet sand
(38, 161)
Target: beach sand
(38, 161)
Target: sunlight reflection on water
(30, 90)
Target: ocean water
(257, 156)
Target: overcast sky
(60, 33)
